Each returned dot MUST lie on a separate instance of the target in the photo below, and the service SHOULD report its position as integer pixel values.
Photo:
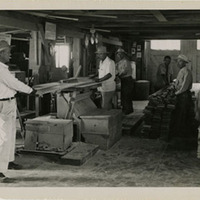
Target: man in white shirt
(106, 75)
(183, 117)
(184, 78)
(9, 85)
(124, 72)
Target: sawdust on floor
(131, 162)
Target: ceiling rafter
(159, 16)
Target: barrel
(141, 89)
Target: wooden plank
(42, 34)
(114, 42)
(84, 13)
(42, 89)
(47, 153)
(89, 85)
(69, 33)
(17, 23)
(76, 54)
(78, 71)
(80, 154)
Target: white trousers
(7, 148)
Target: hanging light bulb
(86, 40)
(92, 39)
(96, 38)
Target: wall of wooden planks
(76, 52)
(154, 57)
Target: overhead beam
(159, 16)
(135, 25)
(76, 34)
(12, 31)
(17, 23)
(21, 39)
(150, 29)
(69, 33)
(40, 14)
(85, 14)
(110, 41)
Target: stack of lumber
(157, 114)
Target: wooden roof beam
(159, 16)
(12, 31)
(17, 23)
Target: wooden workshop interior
(63, 110)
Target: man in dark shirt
(164, 74)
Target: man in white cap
(184, 111)
(9, 85)
(184, 78)
(124, 72)
(106, 75)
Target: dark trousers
(127, 94)
(183, 116)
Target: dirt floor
(132, 162)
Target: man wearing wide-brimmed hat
(106, 75)
(124, 72)
(9, 85)
(184, 78)
(184, 111)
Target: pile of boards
(157, 114)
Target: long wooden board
(80, 154)
(57, 87)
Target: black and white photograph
(100, 98)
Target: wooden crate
(102, 127)
(47, 133)
(98, 126)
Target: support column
(76, 53)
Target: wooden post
(85, 70)
(37, 105)
(76, 54)
(34, 52)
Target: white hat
(120, 50)
(183, 57)
(4, 45)
(101, 49)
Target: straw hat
(183, 57)
(101, 49)
(4, 45)
(120, 50)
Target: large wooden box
(102, 127)
(48, 133)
